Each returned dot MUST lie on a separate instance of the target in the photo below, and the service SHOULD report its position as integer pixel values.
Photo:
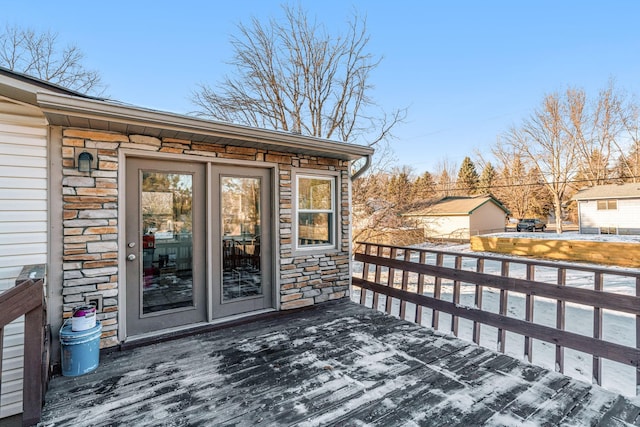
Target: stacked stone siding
(91, 228)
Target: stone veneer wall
(90, 222)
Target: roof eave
(438, 214)
(24, 88)
(609, 197)
(54, 104)
(495, 202)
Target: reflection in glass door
(240, 211)
(167, 228)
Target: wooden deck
(340, 364)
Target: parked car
(531, 224)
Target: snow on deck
(337, 364)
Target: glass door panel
(167, 227)
(241, 224)
(241, 216)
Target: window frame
(607, 204)
(334, 232)
(608, 230)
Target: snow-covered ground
(572, 236)
(617, 327)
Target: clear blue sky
(467, 70)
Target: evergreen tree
(424, 187)
(399, 191)
(468, 178)
(445, 185)
(487, 179)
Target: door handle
(131, 257)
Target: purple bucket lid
(83, 310)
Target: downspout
(579, 217)
(363, 169)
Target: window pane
(314, 194)
(608, 230)
(613, 204)
(602, 205)
(314, 228)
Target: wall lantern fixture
(85, 159)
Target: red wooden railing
(27, 298)
(399, 275)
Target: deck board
(340, 364)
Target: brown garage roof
(460, 205)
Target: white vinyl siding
(487, 218)
(23, 225)
(624, 218)
(446, 226)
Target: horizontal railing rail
(401, 274)
(27, 298)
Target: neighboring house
(609, 209)
(460, 217)
(176, 222)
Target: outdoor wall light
(84, 162)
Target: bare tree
(628, 164)
(548, 140)
(597, 134)
(291, 75)
(374, 213)
(513, 186)
(38, 55)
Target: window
(607, 205)
(608, 230)
(316, 206)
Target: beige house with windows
(459, 217)
(609, 209)
(166, 222)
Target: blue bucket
(80, 350)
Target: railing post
(27, 298)
(597, 330)
(437, 290)
(390, 281)
(418, 318)
(365, 275)
(504, 294)
(528, 314)
(560, 321)
(456, 296)
(33, 341)
(378, 275)
(405, 284)
(478, 301)
(638, 339)
(1, 353)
